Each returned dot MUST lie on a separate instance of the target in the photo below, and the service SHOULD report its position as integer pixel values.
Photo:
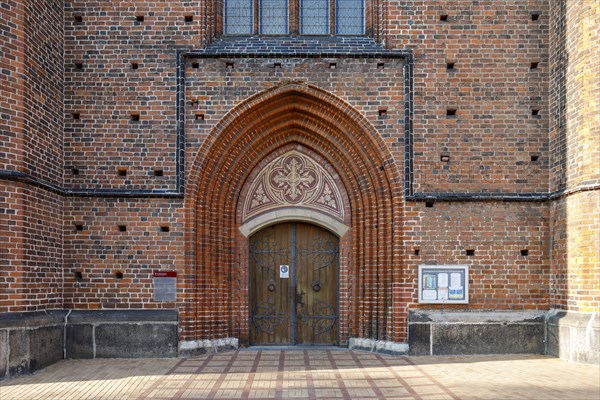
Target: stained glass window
(314, 17)
(274, 17)
(349, 17)
(238, 17)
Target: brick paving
(310, 374)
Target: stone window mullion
(294, 17)
(332, 13)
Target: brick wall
(32, 86)
(575, 149)
(495, 63)
(491, 139)
(31, 250)
(31, 96)
(112, 247)
(103, 89)
(509, 267)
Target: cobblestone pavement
(310, 374)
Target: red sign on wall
(165, 274)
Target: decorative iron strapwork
(323, 253)
(265, 318)
(320, 319)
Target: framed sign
(165, 285)
(443, 284)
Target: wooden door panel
(301, 309)
(271, 314)
(317, 258)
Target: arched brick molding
(300, 116)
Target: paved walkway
(310, 374)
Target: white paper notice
(443, 294)
(443, 280)
(429, 294)
(455, 280)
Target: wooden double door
(294, 285)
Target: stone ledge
(438, 332)
(126, 316)
(477, 317)
(378, 346)
(32, 320)
(208, 346)
(573, 336)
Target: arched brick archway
(299, 116)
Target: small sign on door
(284, 271)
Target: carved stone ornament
(293, 180)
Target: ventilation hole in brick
(382, 112)
(194, 102)
(122, 228)
(78, 17)
(78, 275)
(535, 111)
(535, 16)
(188, 18)
(445, 158)
(199, 117)
(75, 171)
(135, 65)
(78, 66)
(534, 158)
(76, 116)
(78, 227)
(429, 204)
(139, 18)
(381, 168)
(380, 65)
(451, 112)
(470, 252)
(158, 172)
(525, 252)
(534, 65)
(277, 65)
(450, 66)
(122, 171)
(165, 229)
(229, 65)
(196, 65)
(417, 252)
(444, 17)
(118, 275)
(332, 65)
(135, 117)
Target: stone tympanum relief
(293, 180)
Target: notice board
(448, 284)
(165, 285)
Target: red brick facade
(127, 141)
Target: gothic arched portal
(358, 197)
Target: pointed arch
(309, 119)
